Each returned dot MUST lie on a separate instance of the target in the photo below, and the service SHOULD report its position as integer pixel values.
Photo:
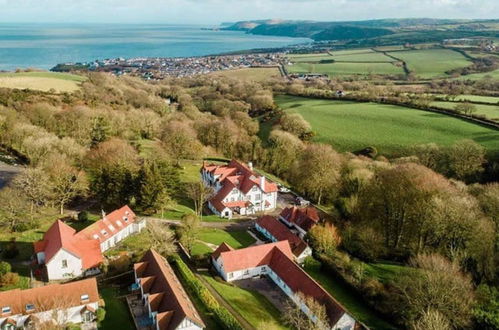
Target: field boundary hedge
(222, 315)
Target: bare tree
(199, 193)
(33, 182)
(314, 319)
(188, 231)
(161, 238)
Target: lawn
(200, 249)
(385, 272)
(24, 277)
(478, 98)
(236, 239)
(483, 75)
(431, 63)
(117, 313)
(345, 68)
(351, 126)
(253, 306)
(299, 58)
(43, 81)
(250, 74)
(362, 57)
(489, 111)
(352, 302)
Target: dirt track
(7, 173)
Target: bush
(100, 315)
(221, 314)
(5, 268)
(9, 279)
(83, 216)
(11, 251)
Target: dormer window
(127, 213)
(119, 223)
(103, 232)
(30, 307)
(6, 310)
(111, 227)
(125, 219)
(85, 297)
(96, 236)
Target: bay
(45, 45)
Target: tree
(431, 320)
(437, 285)
(199, 193)
(13, 209)
(324, 238)
(486, 312)
(33, 182)
(5, 268)
(189, 230)
(65, 181)
(316, 173)
(465, 108)
(465, 160)
(152, 190)
(161, 238)
(114, 185)
(295, 124)
(285, 148)
(100, 131)
(314, 319)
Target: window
(64, 263)
(264, 268)
(111, 227)
(126, 219)
(230, 275)
(258, 197)
(119, 223)
(30, 307)
(232, 199)
(246, 272)
(84, 297)
(6, 309)
(87, 317)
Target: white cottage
(54, 304)
(238, 189)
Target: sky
(213, 12)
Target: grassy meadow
(489, 111)
(351, 126)
(42, 81)
(346, 68)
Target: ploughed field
(352, 126)
(42, 81)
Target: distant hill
(366, 30)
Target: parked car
(300, 201)
(284, 189)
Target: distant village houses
(238, 189)
(50, 306)
(64, 253)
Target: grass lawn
(253, 306)
(430, 63)
(24, 277)
(117, 313)
(43, 81)
(354, 304)
(250, 74)
(478, 98)
(489, 111)
(298, 58)
(385, 272)
(236, 239)
(351, 126)
(483, 75)
(200, 249)
(136, 243)
(344, 68)
(362, 57)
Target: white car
(301, 201)
(284, 189)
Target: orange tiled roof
(50, 297)
(110, 224)
(167, 296)
(304, 218)
(282, 233)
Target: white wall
(55, 270)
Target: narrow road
(224, 225)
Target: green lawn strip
(363, 57)
(343, 68)
(200, 249)
(478, 76)
(489, 111)
(236, 239)
(385, 272)
(348, 298)
(253, 306)
(351, 126)
(117, 312)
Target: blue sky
(216, 11)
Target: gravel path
(7, 173)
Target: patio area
(139, 313)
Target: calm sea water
(44, 45)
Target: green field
(298, 58)
(489, 111)
(117, 314)
(253, 306)
(362, 57)
(351, 126)
(478, 76)
(431, 63)
(346, 68)
(250, 74)
(236, 239)
(43, 81)
(477, 98)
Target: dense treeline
(120, 140)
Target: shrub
(9, 279)
(5, 268)
(83, 216)
(100, 315)
(11, 251)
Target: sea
(45, 45)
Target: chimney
(262, 183)
(250, 165)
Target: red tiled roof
(253, 256)
(111, 224)
(304, 218)
(50, 296)
(169, 298)
(221, 248)
(282, 233)
(279, 258)
(235, 175)
(61, 236)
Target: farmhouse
(238, 189)
(67, 254)
(275, 260)
(301, 219)
(167, 304)
(274, 230)
(54, 304)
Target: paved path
(7, 173)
